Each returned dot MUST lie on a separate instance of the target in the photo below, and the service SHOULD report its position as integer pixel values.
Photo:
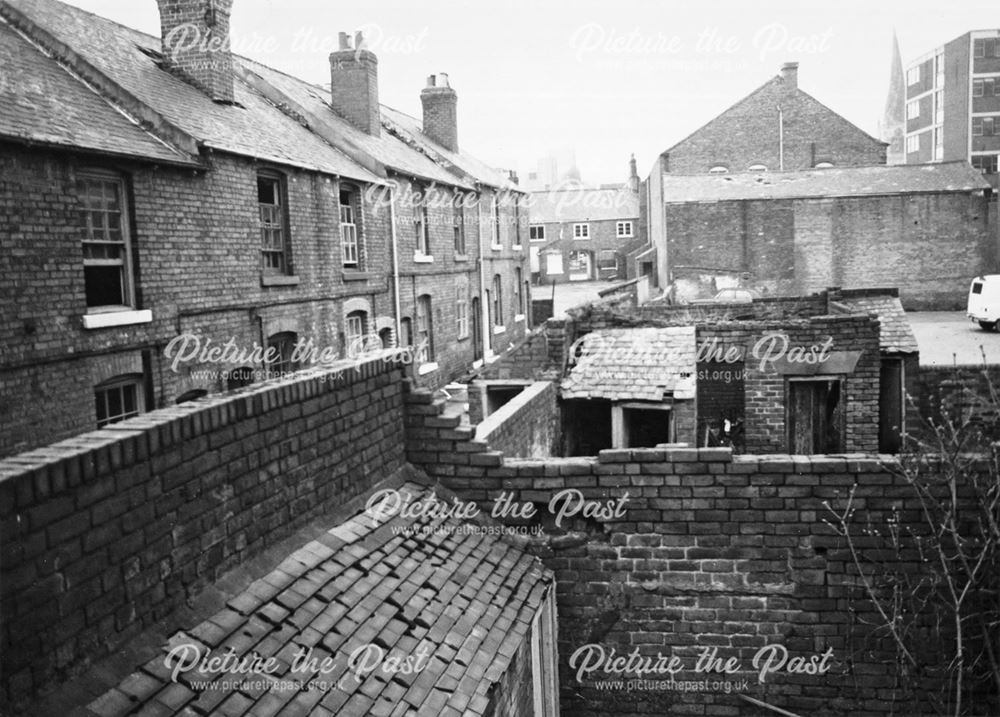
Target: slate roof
(411, 128)
(895, 335)
(467, 598)
(582, 205)
(831, 182)
(644, 364)
(44, 104)
(253, 127)
(386, 149)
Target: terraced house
(183, 221)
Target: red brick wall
(108, 532)
(747, 134)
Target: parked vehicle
(984, 301)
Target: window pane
(103, 285)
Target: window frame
(458, 222)
(496, 296)
(461, 313)
(913, 75)
(618, 229)
(350, 337)
(277, 368)
(516, 244)
(496, 243)
(534, 229)
(912, 109)
(284, 255)
(354, 208)
(581, 231)
(136, 382)
(421, 221)
(424, 328)
(518, 297)
(127, 272)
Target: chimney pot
(359, 40)
(431, 80)
(443, 79)
(343, 40)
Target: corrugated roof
(464, 599)
(643, 364)
(594, 205)
(895, 335)
(43, 103)
(254, 127)
(830, 182)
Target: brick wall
(709, 551)
(764, 407)
(603, 237)
(957, 394)
(528, 426)
(539, 356)
(105, 533)
(748, 133)
(196, 247)
(451, 274)
(928, 245)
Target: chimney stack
(354, 84)
(440, 111)
(195, 44)
(633, 175)
(790, 74)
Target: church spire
(893, 125)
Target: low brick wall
(105, 533)
(707, 551)
(528, 426)
(541, 355)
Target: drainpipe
(485, 328)
(395, 261)
(781, 140)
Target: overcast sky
(608, 77)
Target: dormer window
(757, 168)
(824, 165)
(719, 169)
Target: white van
(984, 301)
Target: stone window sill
(279, 280)
(126, 317)
(349, 275)
(427, 368)
(423, 258)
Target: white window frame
(581, 231)
(536, 229)
(462, 313)
(350, 246)
(355, 332)
(120, 384)
(624, 225)
(101, 237)
(912, 143)
(913, 75)
(424, 329)
(913, 109)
